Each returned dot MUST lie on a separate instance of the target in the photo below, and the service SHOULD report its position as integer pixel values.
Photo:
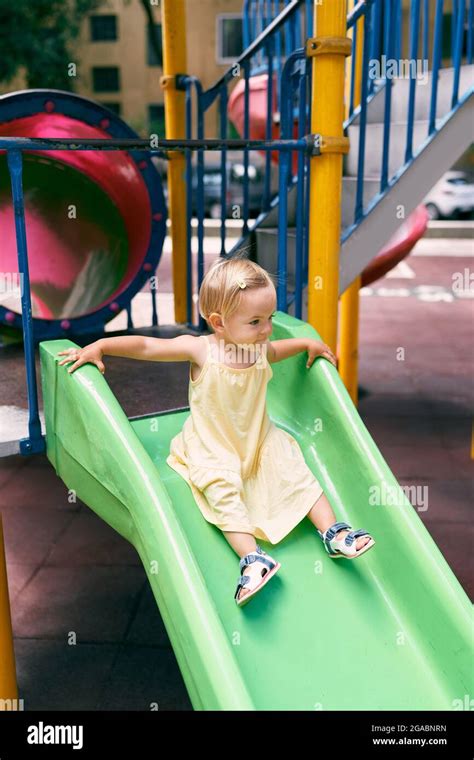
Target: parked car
(235, 173)
(451, 197)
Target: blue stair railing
(267, 47)
(270, 32)
(392, 45)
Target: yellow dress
(245, 473)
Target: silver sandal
(344, 547)
(252, 582)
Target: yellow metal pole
(348, 365)
(8, 687)
(349, 338)
(328, 48)
(173, 19)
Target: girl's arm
(182, 348)
(283, 349)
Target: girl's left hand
(318, 348)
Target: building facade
(120, 68)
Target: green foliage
(38, 35)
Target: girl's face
(252, 322)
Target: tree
(38, 36)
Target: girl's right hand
(91, 354)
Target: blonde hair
(220, 291)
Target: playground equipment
(82, 272)
(404, 622)
(394, 251)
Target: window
(152, 58)
(156, 119)
(229, 40)
(458, 181)
(115, 107)
(105, 79)
(103, 28)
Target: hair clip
(241, 284)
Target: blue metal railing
(383, 40)
(294, 81)
(270, 29)
(14, 147)
(270, 32)
(418, 20)
(258, 14)
(35, 443)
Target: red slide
(95, 220)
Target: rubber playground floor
(88, 635)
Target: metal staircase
(403, 136)
(411, 180)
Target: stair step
(267, 252)
(378, 227)
(371, 187)
(374, 147)
(400, 93)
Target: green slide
(389, 631)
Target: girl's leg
(322, 517)
(226, 496)
(242, 543)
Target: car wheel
(215, 211)
(433, 211)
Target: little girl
(248, 476)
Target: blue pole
(363, 119)
(191, 199)
(470, 31)
(388, 100)
(200, 228)
(426, 29)
(353, 64)
(286, 101)
(154, 312)
(268, 125)
(35, 444)
(454, 18)
(223, 118)
(300, 201)
(246, 24)
(398, 30)
(436, 63)
(245, 226)
(414, 29)
(458, 51)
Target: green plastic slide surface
(388, 631)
